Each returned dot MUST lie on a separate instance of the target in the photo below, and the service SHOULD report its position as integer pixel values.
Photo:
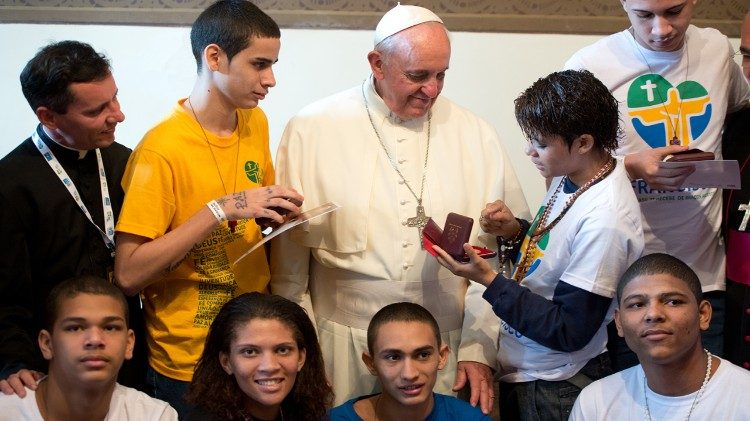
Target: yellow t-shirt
(171, 174)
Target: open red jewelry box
(452, 237)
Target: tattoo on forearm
(221, 201)
(240, 200)
(174, 265)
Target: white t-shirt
(589, 248)
(126, 405)
(620, 397)
(709, 85)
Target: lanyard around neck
(108, 235)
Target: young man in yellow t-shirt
(193, 186)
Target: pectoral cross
(419, 221)
(743, 224)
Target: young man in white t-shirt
(86, 339)
(661, 315)
(675, 84)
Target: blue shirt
(446, 408)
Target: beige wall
(153, 67)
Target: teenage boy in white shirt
(86, 339)
(661, 315)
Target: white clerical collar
(81, 153)
(379, 106)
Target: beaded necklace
(541, 228)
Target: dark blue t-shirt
(446, 408)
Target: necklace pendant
(232, 226)
(419, 221)
(674, 141)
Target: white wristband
(216, 209)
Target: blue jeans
(169, 390)
(542, 400)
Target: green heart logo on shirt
(659, 111)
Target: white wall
(153, 67)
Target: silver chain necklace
(697, 395)
(231, 223)
(420, 220)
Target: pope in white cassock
(389, 151)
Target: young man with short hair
(194, 185)
(675, 84)
(661, 315)
(86, 338)
(405, 353)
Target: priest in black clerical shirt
(59, 199)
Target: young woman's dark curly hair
(218, 393)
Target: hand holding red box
(452, 237)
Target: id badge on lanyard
(108, 234)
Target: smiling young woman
(261, 361)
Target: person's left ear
(444, 352)
(46, 117)
(585, 143)
(130, 344)
(704, 314)
(45, 344)
(212, 56)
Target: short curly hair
(73, 287)
(661, 263)
(569, 104)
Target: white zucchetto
(402, 17)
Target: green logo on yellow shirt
(253, 172)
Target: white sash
(109, 217)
